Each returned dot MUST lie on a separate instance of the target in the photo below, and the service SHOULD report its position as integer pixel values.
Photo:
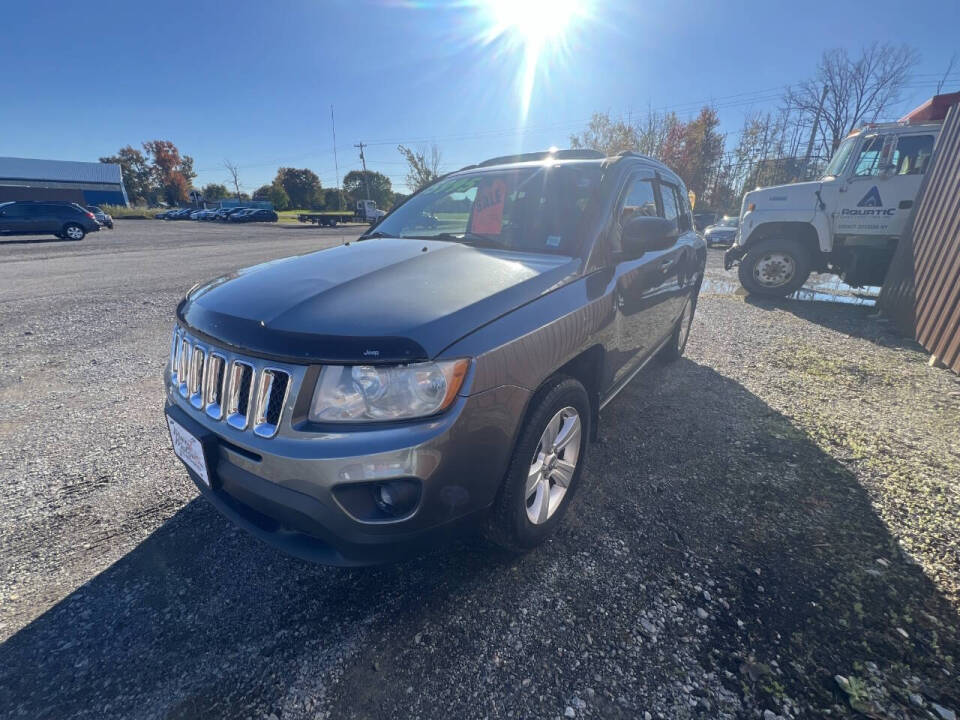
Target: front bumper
(287, 490)
(720, 239)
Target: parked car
(349, 404)
(724, 232)
(240, 215)
(224, 214)
(102, 217)
(63, 220)
(702, 220)
(254, 215)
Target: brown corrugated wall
(921, 293)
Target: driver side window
(868, 161)
(640, 199)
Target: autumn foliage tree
(172, 173)
(159, 173)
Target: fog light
(396, 497)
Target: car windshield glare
(531, 209)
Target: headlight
(361, 393)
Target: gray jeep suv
(445, 371)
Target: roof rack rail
(632, 153)
(579, 154)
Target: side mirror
(643, 234)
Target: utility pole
(816, 125)
(366, 181)
(336, 165)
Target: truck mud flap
(733, 255)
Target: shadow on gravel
(696, 482)
(34, 240)
(854, 320)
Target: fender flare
(818, 233)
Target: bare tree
(423, 166)
(607, 135)
(858, 90)
(234, 174)
(653, 131)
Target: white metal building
(88, 183)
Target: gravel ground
(768, 527)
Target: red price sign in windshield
(488, 208)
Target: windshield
(533, 209)
(728, 222)
(840, 158)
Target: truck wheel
(545, 468)
(333, 222)
(774, 268)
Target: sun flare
(537, 29)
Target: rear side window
(14, 211)
(671, 203)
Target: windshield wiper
(466, 238)
(374, 234)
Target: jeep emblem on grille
(371, 353)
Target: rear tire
(775, 268)
(531, 502)
(72, 231)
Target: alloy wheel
(553, 466)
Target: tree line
(161, 174)
(790, 143)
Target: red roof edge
(933, 110)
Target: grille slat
(238, 399)
(271, 393)
(213, 386)
(183, 366)
(240, 391)
(197, 362)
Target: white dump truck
(849, 221)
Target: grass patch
(119, 211)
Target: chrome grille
(238, 397)
(214, 375)
(241, 391)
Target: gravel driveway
(768, 527)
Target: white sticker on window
(553, 240)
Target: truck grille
(243, 392)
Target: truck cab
(849, 221)
(368, 210)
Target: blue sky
(253, 81)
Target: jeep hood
(381, 300)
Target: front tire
(674, 348)
(545, 468)
(72, 231)
(774, 268)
